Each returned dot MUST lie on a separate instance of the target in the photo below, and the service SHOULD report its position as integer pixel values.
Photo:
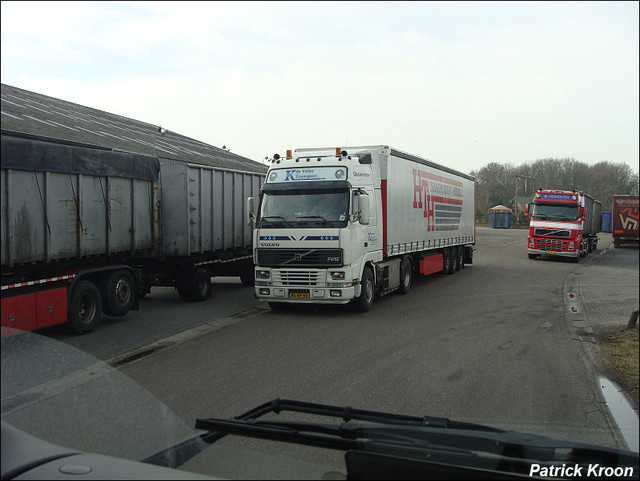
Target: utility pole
(515, 201)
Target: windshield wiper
(418, 439)
(276, 217)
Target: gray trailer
(593, 222)
(88, 229)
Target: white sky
(462, 84)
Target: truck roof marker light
(289, 154)
(338, 151)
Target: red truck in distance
(563, 223)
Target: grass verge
(619, 346)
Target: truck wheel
(405, 276)
(576, 259)
(84, 308)
(118, 292)
(364, 301)
(459, 257)
(533, 256)
(200, 285)
(450, 260)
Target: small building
(500, 217)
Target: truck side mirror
(365, 159)
(363, 208)
(250, 215)
(526, 210)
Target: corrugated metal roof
(35, 114)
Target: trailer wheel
(200, 285)
(84, 308)
(364, 301)
(405, 276)
(118, 292)
(449, 260)
(459, 257)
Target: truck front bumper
(553, 247)
(571, 254)
(315, 286)
(311, 295)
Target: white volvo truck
(335, 226)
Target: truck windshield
(567, 212)
(326, 207)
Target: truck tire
(405, 276)
(200, 285)
(450, 260)
(84, 308)
(533, 256)
(364, 301)
(118, 292)
(459, 257)
(194, 286)
(576, 259)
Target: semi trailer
(88, 230)
(338, 226)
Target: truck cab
(316, 225)
(558, 225)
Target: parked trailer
(625, 220)
(334, 227)
(564, 223)
(87, 230)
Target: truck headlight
(263, 275)
(337, 276)
(532, 243)
(571, 245)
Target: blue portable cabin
(500, 217)
(607, 222)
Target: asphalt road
(489, 344)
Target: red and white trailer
(344, 225)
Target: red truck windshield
(555, 211)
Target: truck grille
(551, 244)
(300, 257)
(296, 278)
(552, 232)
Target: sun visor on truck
(44, 156)
(306, 185)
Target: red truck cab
(563, 223)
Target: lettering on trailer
(629, 218)
(436, 196)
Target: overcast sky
(462, 84)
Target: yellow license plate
(299, 295)
(552, 252)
